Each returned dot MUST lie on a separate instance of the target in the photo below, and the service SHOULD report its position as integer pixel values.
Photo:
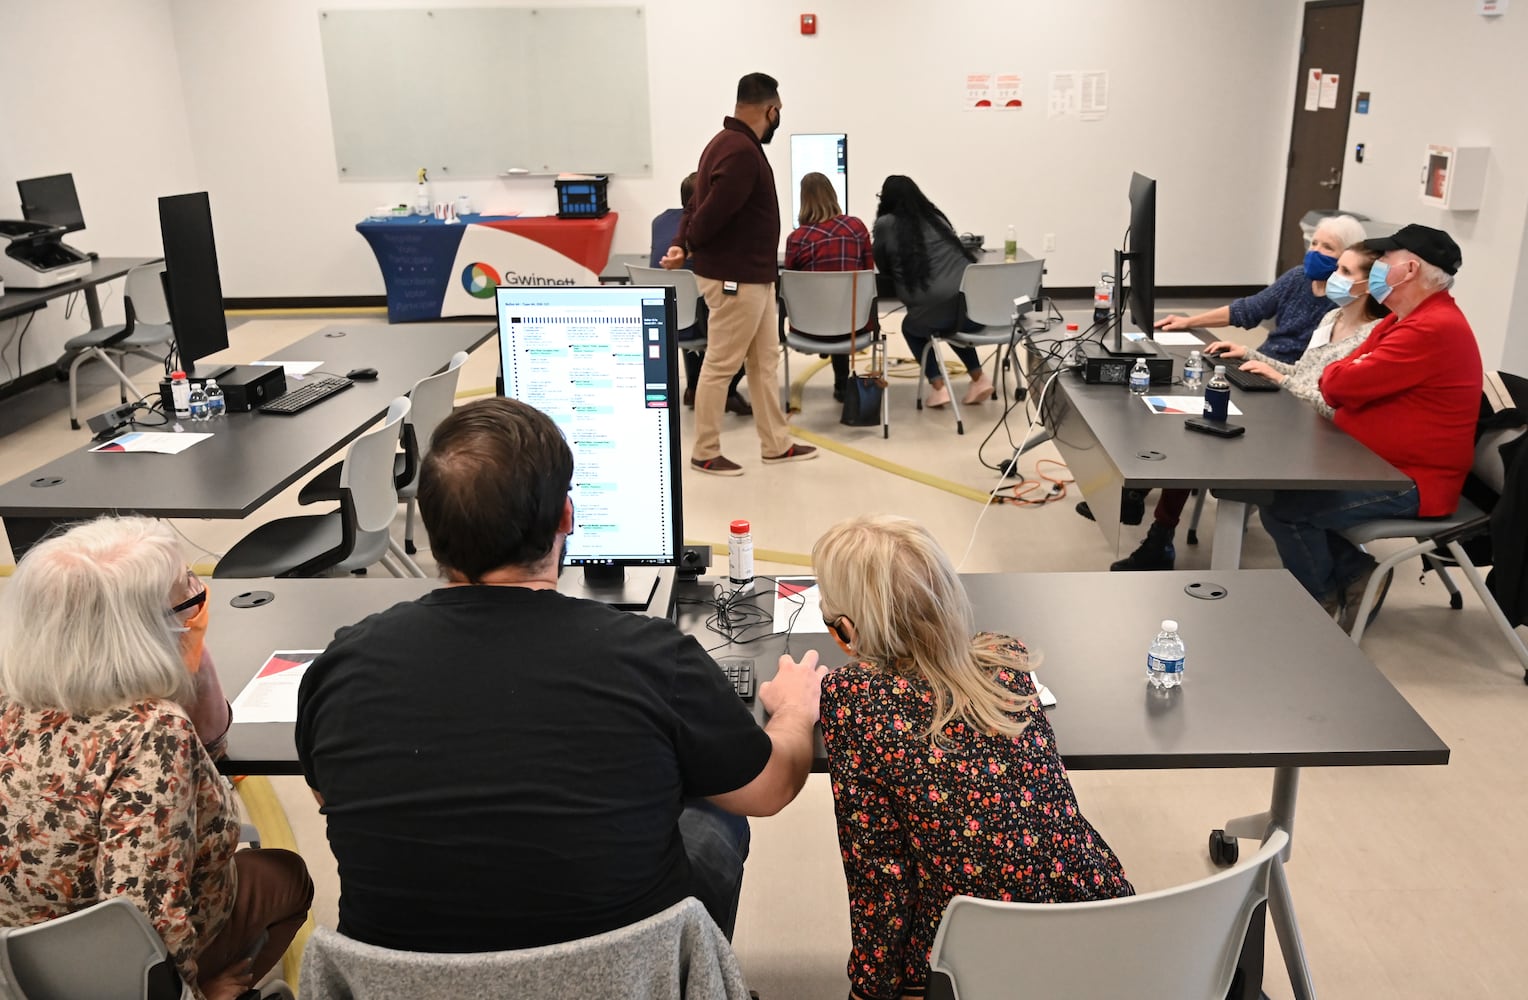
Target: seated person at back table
(665, 228)
(109, 719)
(1339, 334)
(828, 240)
(1411, 394)
(946, 775)
(504, 767)
(915, 244)
(1297, 301)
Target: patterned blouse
(1303, 378)
(123, 802)
(993, 817)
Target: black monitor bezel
(192, 281)
(671, 370)
(50, 184)
(1141, 256)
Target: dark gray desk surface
(22, 300)
(251, 456)
(615, 268)
(1270, 681)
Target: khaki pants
(743, 327)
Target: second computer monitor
(192, 282)
(826, 153)
(51, 200)
(600, 362)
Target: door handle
(1332, 181)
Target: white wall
(1199, 99)
(1441, 73)
(92, 88)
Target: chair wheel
(410, 548)
(1223, 849)
(960, 427)
(1456, 601)
(1193, 537)
(1019, 394)
(920, 402)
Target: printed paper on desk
(271, 696)
(1177, 338)
(1183, 406)
(798, 596)
(158, 442)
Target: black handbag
(862, 393)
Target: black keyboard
(739, 671)
(1249, 381)
(312, 390)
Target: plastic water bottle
(198, 403)
(1164, 660)
(740, 556)
(1140, 377)
(180, 395)
(1011, 246)
(1103, 298)
(217, 404)
(1217, 396)
(1193, 372)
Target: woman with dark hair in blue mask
(1297, 303)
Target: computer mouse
(362, 374)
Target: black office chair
(355, 536)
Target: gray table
(1110, 442)
(17, 301)
(252, 456)
(1270, 681)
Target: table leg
(93, 307)
(1230, 525)
(25, 532)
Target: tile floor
(1407, 880)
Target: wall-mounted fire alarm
(809, 24)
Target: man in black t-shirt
(504, 767)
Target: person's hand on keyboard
(1264, 369)
(796, 689)
(1224, 350)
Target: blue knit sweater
(1298, 311)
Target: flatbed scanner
(33, 255)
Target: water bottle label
(1158, 665)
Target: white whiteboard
(478, 92)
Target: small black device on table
(1250, 381)
(1218, 428)
(739, 670)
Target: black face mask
(771, 129)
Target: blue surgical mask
(1379, 281)
(1318, 266)
(1339, 288)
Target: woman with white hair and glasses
(946, 776)
(106, 788)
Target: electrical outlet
(1050, 243)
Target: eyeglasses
(193, 603)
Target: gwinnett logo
(479, 280)
(513, 278)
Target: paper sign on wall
(1329, 83)
(1065, 95)
(978, 94)
(1007, 91)
(1095, 94)
(1492, 8)
(1312, 90)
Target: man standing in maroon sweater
(730, 231)
(1411, 393)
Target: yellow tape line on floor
(264, 810)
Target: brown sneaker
(737, 404)
(795, 453)
(718, 466)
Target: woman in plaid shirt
(828, 240)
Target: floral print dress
(124, 802)
(987, 816)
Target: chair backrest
(681, 280)
(432, 400)
(108, 951)
(144, 288)
(988, 290)
(679, 953)
(817, 302)
(1181, 942)
(367, 473)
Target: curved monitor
(600, 362)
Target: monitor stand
(1122, 348)
(625, 588)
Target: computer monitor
(600, 362)
(1142, 258)
(192, 285)
(826, 153)
(51, 200)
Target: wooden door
(1318, 142)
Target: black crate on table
(582, 199)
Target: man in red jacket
(730, 231)
(1411, 393)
